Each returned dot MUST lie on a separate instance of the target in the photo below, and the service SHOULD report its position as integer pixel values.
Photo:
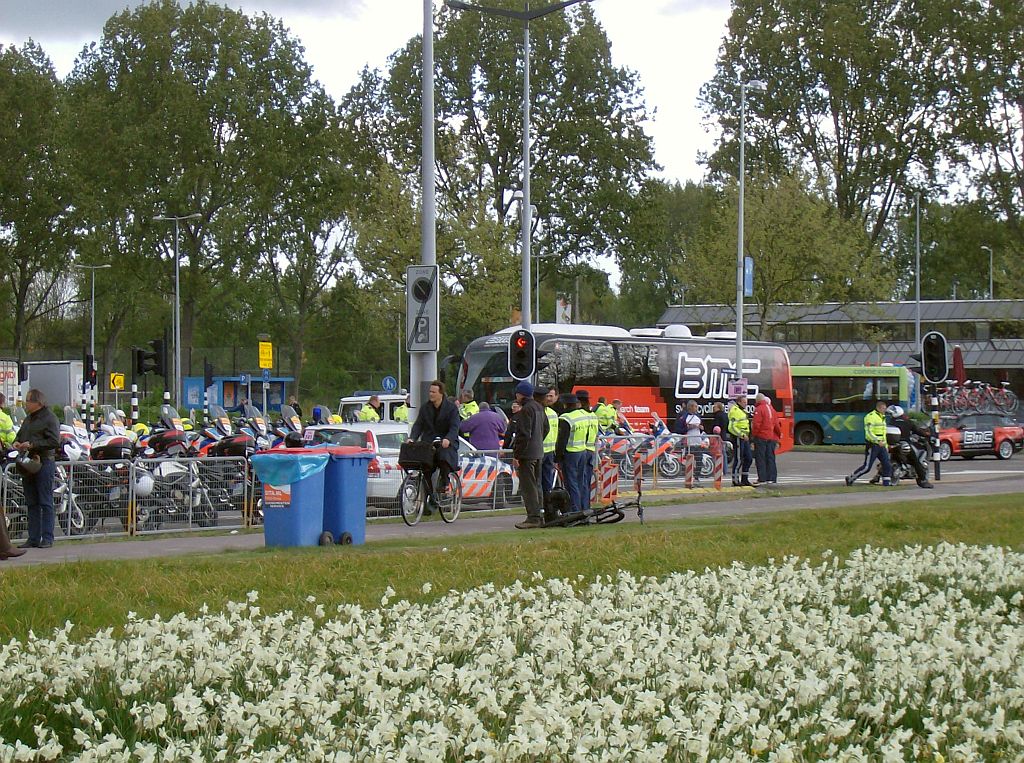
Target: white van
(350, 406)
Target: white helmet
(143, 485)
(895, 411)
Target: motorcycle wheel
(669, 466)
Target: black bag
(416, 455)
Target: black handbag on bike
(416, 455)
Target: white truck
(59, 380)
(9, 380)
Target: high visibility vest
(401, 413)
(874, 428)
(739, 424)
(468, 409)
(592, 428)
(552, 437)
(7, 433)
(579, 423)
(606, 415)
(367, 413)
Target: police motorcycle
(226, 481)
(288, 424)
(103, 482)
(906, 450)
(179, 491)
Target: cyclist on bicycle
(438, 419)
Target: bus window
(639, 365)
(570, 364)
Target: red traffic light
(521, 342)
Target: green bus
(830, 402)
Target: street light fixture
(991, 294)
(177, 299)
(526, 16)
(756, 86)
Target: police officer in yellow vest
(7, 432)
(571, 448)
(547, 466)
(739, 428)
(876, 445)
(592, 429)
(372, 411)
(469, 405)
(401, 412)
(606, 416)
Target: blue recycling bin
(345, 494)
(293, 495)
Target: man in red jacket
(763, 433)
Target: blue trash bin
(293, 495)
(345, 494)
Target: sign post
(116, 384)
(266, 386)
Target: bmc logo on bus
(703, 378)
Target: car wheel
(945, 450)
(1005, 451)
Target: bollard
(719, 467)
(135, 403)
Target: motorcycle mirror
(148, 452)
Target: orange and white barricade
(717, 447)
(688, 464)
(604, 482)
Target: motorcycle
(903, 453)
(227, 479)
(178, 490)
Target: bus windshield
(830, 402)
(652, 375)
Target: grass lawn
(97, 595)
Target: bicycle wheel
(412, 498)
(449, 501)
(610, 516)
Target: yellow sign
(116, 382)
(266, 355)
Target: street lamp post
(177, 299)
(756, 86)
(92, 320)
(526, 16)
(991, 294)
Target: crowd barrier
(159, 495)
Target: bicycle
(602, 515)
(415, 458)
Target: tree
(802, 251)
(35, 235)
(856, 96)
(589, 154)
(193, 110)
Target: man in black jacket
(439, 419)
(528, 452)
(39, 436)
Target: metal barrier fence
(158, 495)
(139, 496)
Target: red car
(979, 434)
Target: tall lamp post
(526, 16)
(177, 299)
(756, 86)
(991, 294)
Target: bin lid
(349, 451)
(289, 465)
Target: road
(982, 476)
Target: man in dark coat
(39, 436)
(528, 453)
(439, 418)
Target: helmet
(140, 429)
(294, 440)
(143, 485)
(895, 411)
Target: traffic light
(522, 354)
(153, 361)
(935, 364)
(90, 370)
(207, 374)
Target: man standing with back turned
(528, 452)
(876, 445)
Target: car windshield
(391, 440)
(343, 437)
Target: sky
(671, 44)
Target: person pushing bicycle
(438, 419)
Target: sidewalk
(742, 501)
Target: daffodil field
(914, 654)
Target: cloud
(675, 7)
(62, 20)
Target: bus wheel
(808, 434)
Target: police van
(350, 406)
